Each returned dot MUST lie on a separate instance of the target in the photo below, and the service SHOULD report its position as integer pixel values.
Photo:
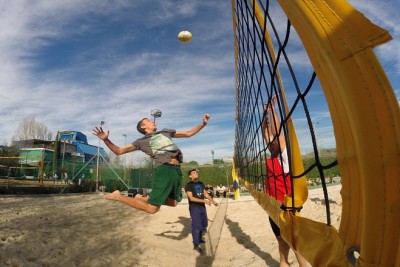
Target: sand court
(87, 230)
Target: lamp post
(98, 157)
(124, 135)
(156, 113)
(316, 136)
(62, 162)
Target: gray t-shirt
(159, 146)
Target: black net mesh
(271, 61)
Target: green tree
(326, 158)
(9, 160)
(218, 161)
(193, 163)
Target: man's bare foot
(141, 197)
(113, 196)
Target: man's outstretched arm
(195, 130)
(101, 134)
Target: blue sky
(72, 64)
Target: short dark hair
(139, 126)
(190, 171)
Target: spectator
(65, 177)
(80, 179)
(221, 190)
(210, 190)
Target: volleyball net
(316, 58)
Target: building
(69, 153)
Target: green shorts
(167, 183)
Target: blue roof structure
(80, 141)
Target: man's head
(193, 174)
(273, 147)
(146, 126)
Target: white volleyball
(185, 36)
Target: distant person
(65, 177)
(167, 157)
(198, 197)
(210, 190)
(260, 187)
(277, 182)
(81, 179)
(221, 191)
(55, 177)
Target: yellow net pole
(235, 179)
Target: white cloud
(129, 65)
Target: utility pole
(124, 135)
(156, 113)
(98, 157)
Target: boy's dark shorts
(167, 183)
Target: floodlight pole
(156, 113)
(316, 135)
(98, 157)
(62, 162)
(124, 135)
